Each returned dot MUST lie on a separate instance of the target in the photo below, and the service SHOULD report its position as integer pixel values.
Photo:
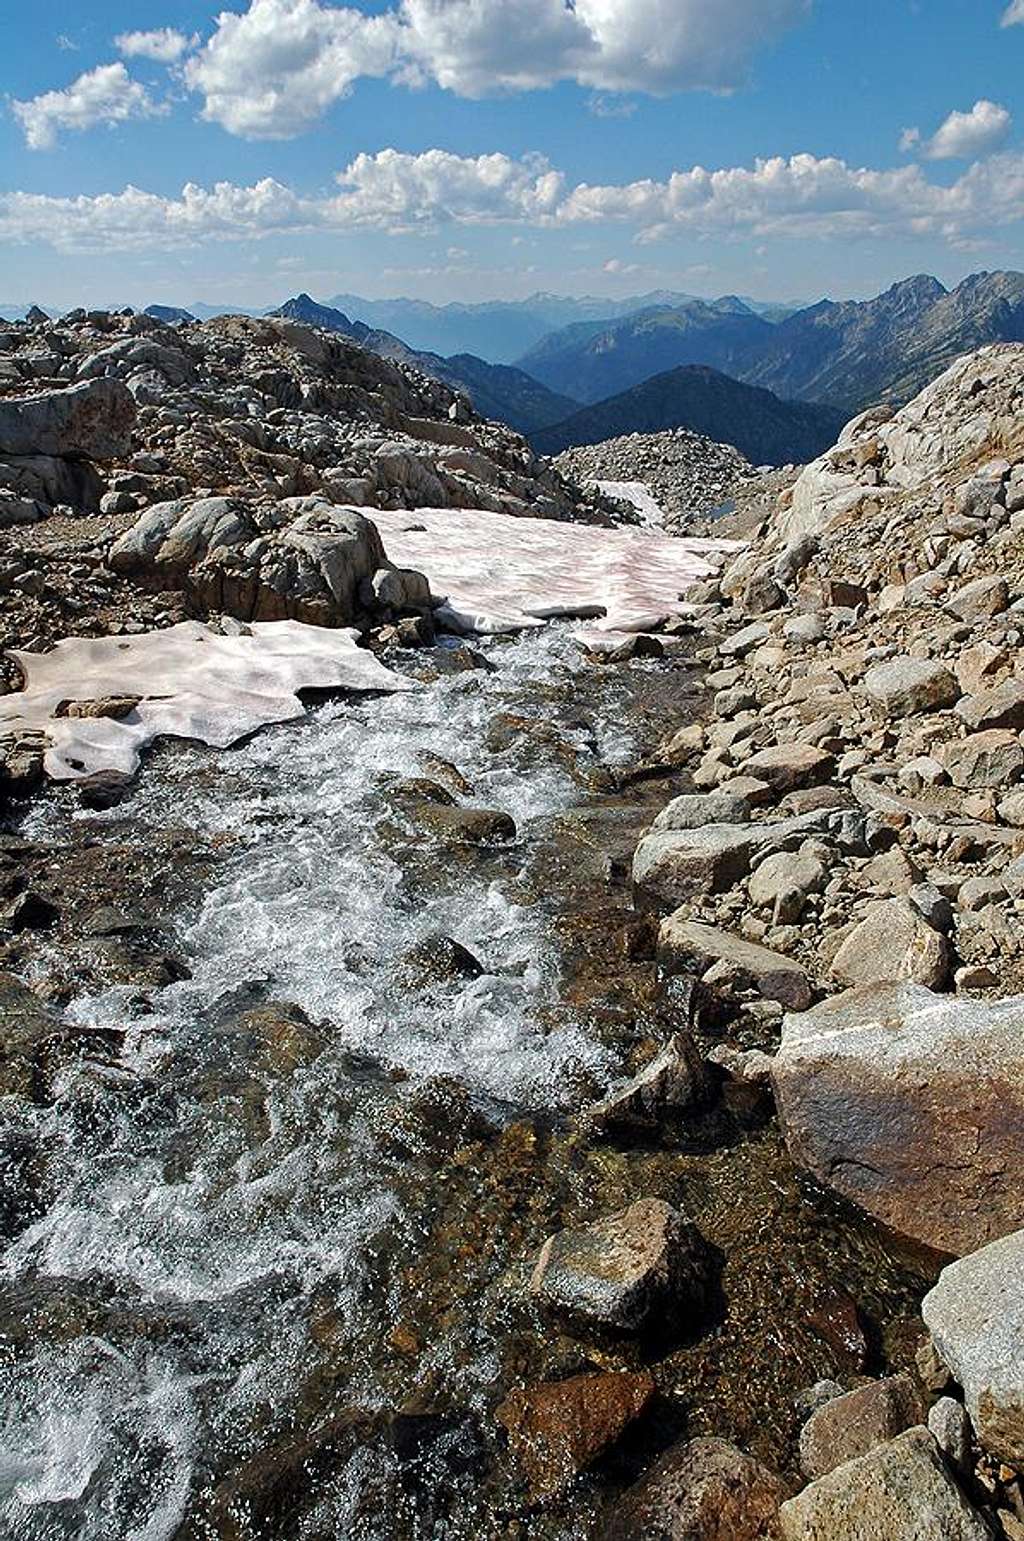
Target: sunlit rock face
(100, 701)
(502, 574)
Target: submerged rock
(645, 1268)
(557, 1430)
(674, 1082)
(912, 1105)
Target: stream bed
(268, 1277)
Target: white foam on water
(240, 1197)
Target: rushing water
(227, 1214)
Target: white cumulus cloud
(106, 94)
(963, 135)
(1013, 16)
(394, 189)
(164, 44)
(802, 196)
(272, 70)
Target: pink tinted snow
(501, 573)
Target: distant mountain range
(496, 390)
(766, 429)
(501, 330)
(848, 353)
(590, 369)
(603, 358)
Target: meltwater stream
(234, 1201)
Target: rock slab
(911, 1104)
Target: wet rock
(466, 826)
(104, 788)
(440, 960)
(557, 1430)
(22, 1179)
(855, 1423)
(34, 1043)
(645, 1268)
(910, 1104)
(894, 941)
(790, 767)
(92, 420)
(975, 1314)
(906, 686)
(682, 943)
(21, 766)
(674, 1082)
(29, 911)
(700, 1490)
(900, 1491)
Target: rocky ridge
(687, 474)
(104, 416)
(847, 877)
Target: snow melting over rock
(187, 681)
(640, 496)
(500, 573)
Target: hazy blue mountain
(593, 361)
(888, 348)
(849, 353)
(496, 330)
(768, 430)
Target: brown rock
(900, 1491)
(980, 600)
(1000, 707)
(990, 759)
(853, 1424)
(911, 1104)
(790, 767)
(700, 1490)
(556, 1430)
(683, 942)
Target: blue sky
(465, 149)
